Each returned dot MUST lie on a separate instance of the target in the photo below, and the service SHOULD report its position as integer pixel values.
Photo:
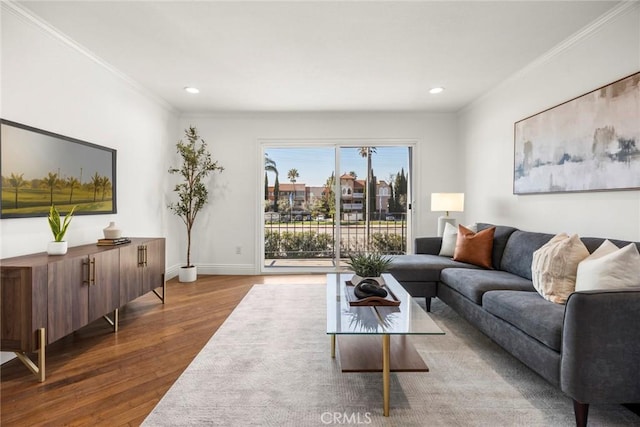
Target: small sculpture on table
(369, 288)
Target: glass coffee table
(375, 338)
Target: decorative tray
(389, 300)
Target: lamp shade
(447, 202)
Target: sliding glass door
(322, 202)
(299, 208)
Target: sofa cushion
(450, 238)
(555, 265)
(593, 243)
(518, 252)
(427, 245)
(474, 248)
(474, 283)
(422, 268)
(609, 267)
(529, 312)
(500, 238)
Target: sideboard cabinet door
(130, 273)
(23, 302)
(154, 265)
(104, 289)
(68, 296)
(142, 266)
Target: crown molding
(586, 32)
(29, 17)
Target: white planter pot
(188, 274)
(57, 248)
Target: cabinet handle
(86, 262)
(140, 256)
(93, 272)
(145, 256)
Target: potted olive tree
(195, 165)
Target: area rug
(269, 364)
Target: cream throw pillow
(450, 237)
(555, 265)
(609, 267)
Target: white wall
(47, 84)
(231, 219)
(604, 54)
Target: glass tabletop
(408, 318)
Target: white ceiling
(322, 55)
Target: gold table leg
(333, 346)
(386, 354)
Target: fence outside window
(316, 239)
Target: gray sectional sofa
(589, 347)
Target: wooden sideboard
(45, 297)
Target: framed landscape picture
(41, 168)
(590, 143)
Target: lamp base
(442, 221)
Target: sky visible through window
(316, 164)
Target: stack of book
(113, 242)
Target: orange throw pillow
(474, 248)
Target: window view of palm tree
(374, 209)
(307, 225)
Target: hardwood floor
(97, 377)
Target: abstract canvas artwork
(590, 143)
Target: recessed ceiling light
(435, 90)
(192, 89)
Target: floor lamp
(446, 202)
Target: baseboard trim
(228, 269)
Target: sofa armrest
(427, 245)
(601, 346)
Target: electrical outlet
(238, 250)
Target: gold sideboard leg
(162, 297)
(38, 370)
(113, 322)
(42, 338)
